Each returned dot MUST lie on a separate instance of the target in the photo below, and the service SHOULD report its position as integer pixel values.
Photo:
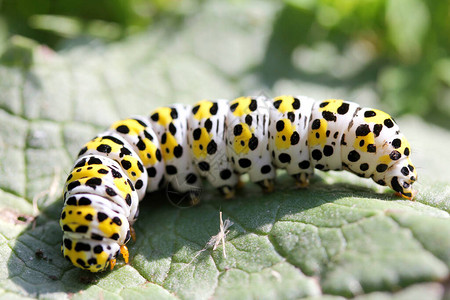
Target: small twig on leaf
(215, 240)
(220, 237)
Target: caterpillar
(178, 145)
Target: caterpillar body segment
(248, 143)
(289, 126)
(113, 146)
(207, 141)
(170, 125)
(138, 132)
(98, 175)
(329, 121)
(219, 140)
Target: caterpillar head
(89, 254)
(400, 176)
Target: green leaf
(344, 236)
(407, 22)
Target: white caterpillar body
(219, 140)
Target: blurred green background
(400, 47)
